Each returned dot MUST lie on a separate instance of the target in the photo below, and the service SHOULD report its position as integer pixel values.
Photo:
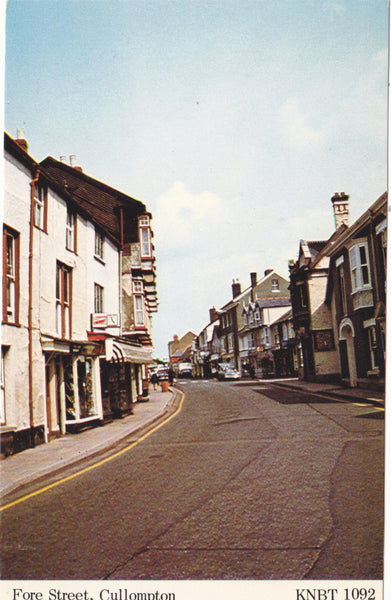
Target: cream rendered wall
(52, 248)
(326, 361)
(16, 214)
(106, 274)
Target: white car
(227, 372)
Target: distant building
(180, 349)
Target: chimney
(63, 158)
(253, 277)
(236, 288)
(213, 314)
(21, 141)
(268, 271)
(341, 209)
(72, 162)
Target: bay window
(359, 267)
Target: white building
(65, 360)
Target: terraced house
(78, 293)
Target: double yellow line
(96, 465)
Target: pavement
(371, 396)
(34, 463)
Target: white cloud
(181, 217)
(298, 132)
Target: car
(185, 370)
(226, 371)
(162, 373)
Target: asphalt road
(248, 481)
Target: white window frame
(139, 310)
(275, 285)
(98, 298)
(358, 267)
(99, 245)
(40, 199)
(10, 276)
(138, 287)
(70, 231)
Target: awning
(119, 351)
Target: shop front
(124, 374)
(73, 392)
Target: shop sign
(103, 320)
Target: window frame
(63, 300)
(139, 298)
(145, 230)
(358, 268)
(40, 199)
(11, 311)
(71, 231)
(98, 298)
(275, 285)
(99, 245)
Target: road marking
(96, 465)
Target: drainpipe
(30, 307)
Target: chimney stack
(341, 209)
(213, 314)
(268, 271)
(253, 277)
(21, 140)
(63, 158)
(236, 288)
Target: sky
(234, 121)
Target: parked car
(226, 371)
(162, 373)
(185, 370)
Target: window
(138, 287)
(302, 296)
(257, 315)
(70, 232)
(98, 298)
(40, 206)
(275, 285)
(99, 245)
(145, 237)
(11, 276)
(359, 267)
(63, 300)
(138, 311)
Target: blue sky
(235, 121)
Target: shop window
(63, 300)
(359, 267)
(70, 231)
(99, 245)
(69, 390)
(40, 207)
(11, 276)
(98, 298)
(85, 387)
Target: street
(248, 481)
